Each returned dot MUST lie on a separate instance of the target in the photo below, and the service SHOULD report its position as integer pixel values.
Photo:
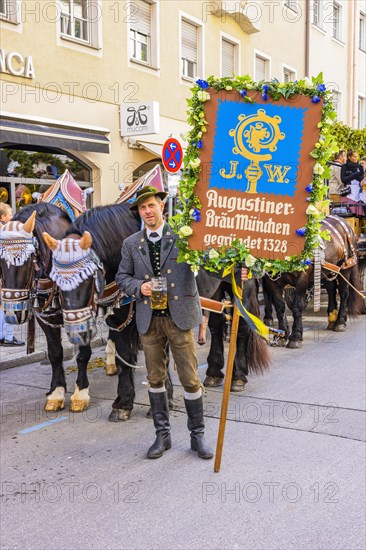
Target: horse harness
(349, 261)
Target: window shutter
(141, 17)
(189, 41)
(260, 68)
(228, 58)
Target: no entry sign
(172, 156)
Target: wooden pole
(31, 335)
(227, 386)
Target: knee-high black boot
(160, 414)
(196, 426)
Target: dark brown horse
(339, 272)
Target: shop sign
(14, 63)
(139, 119)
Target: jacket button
(146, 276)
(145, 302)
(169, 270)
(175, 297)
(172, 284)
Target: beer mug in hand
(159, 293)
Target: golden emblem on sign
(255, 137)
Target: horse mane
(109, 226)
(49, 218)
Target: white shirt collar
(159, 231)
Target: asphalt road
(292, 474)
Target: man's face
(151, 212)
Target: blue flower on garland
(265, 88)
(243, 93)
(321, 87)
(264, 97)
(202, 84)
(199, 144)
(301, 232)
(309, 188)
(196, 215)
(308, 261)
(315, 99)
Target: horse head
(79, 275)
(17, 265)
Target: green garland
(225, 257)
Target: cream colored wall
(119, 80)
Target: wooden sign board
(255, 166)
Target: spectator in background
(352, 174)
(7, 337)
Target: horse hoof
(331, 326)
(53, 405)
(78, 405)
(201, 342)
(294, 344)
(119, 415)
(339, 328)
(212, 381)
(268, 322)
(237, 385)
(111, 370)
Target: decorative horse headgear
(17, 242)
(153, 178)
(73, 260)
(67, 195)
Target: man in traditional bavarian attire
(150, 253)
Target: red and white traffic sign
(172, 155)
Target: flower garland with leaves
(225, 257)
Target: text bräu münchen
(243, 215)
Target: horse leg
(110, 350)
(56, 396)
(343, 289)
(332, 309)
(215, 359)
(280, 307)
(80, 398)
(297, 307)
(268, 309)
(126, 343)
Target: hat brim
(145, 196)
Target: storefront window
(23, 173)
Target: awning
(153, 148)
(51, 135)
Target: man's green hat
(146, 192)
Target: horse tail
(355, 300)
(256, 351)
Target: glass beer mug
(159, 293)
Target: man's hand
(145, 288)
(244, 273)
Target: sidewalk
(17, 355)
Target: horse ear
(28, 226)
(50, 241)
(86, 240)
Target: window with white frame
(10, 11)
(317, 13)
(141, 32)
(261, 68)
(337, 103)
(228, 58)
(362, 32)
(288, 75)
(337, 21)
(79, 21)
(292, 4)
(361, 112)
(189, 48)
